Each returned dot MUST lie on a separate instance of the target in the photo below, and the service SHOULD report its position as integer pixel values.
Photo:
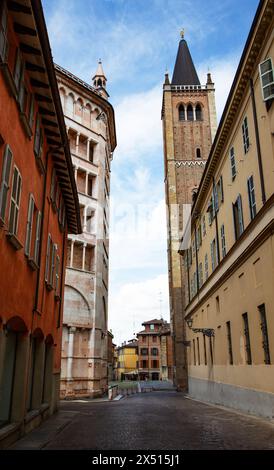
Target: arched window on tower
(181, 113)
(198, 153)
(190, 113)
(99, 82)
(199, 114)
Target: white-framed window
(238, 217)
(245, 135)
(204, 226)
(213, 249)
(220, 190)
(29, 225)
(151, 326)
(251, 197)
(52, 264)
(37, 238)
(57, 269)
(15, 201)
(47, 269)
(5, 181)
(232, 163)
(3, 32)
(223, 241)
(206, 266)
(267, 79)
(201, 280)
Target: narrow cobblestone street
(158, 420)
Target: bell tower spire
(100, 80)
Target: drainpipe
(216, 224)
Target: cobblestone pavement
(163, 420)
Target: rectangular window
(3, 32)
(247, 339)
(223, 240)
(238, 217)
(265, 341)
(48, 258)
(37, 137)
(233, 163)
(5, 181)
(15, 201)
(245, 135)
(154, 351)
(204, 226)
(220, 190)
(267, 79)
(206, 266)
(52, 264)
(18, 70)
(210, 211)
(31, 111)
(144, 351)
(29, 226)
(251, 197)
(57, 274)
(37, 238)
(22, 89)
(229, 342)
(213, 248)
(205, 354)
(201, 280)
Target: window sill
(32, 264)
(26, 125)
(13, 240)
(9, 79)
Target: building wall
(84, 351)
(241, 280)
(127, 361)
(31, 306)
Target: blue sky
(137, 40)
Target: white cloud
(138, 121)
(136, 302)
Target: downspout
(216, 223)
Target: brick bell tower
(189, 127)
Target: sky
(137, 41)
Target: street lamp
(206, 331)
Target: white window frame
(57, 275)
(37, 238)
(15, 202)
(47, 267)
(271, 96)
(245, 134)
(251, 197)
(52, 263)
(223, 240)
(5, 181)
(29, 225)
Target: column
(71, 253)
(84, 256)
(71, 331)
(77, 143)
(88, 149)
(87, 174)
(194, 113)
(85, 219)
(185, 106)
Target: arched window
(198, 153)
(79, 108)
(181, 113)
(63, 97)
(70, 105)
(190, 113)
(99, 82)
(199, 115)
(87, 111)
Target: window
(238, 217)
(223, 240)
(267, 79)
(38, 138)
(198, 153)
(201, 281)
(251, 197)
(15, 201)
(265, 342)
(154, 351)
(18, 70)
(199, 115)
(3, 32)
(220, 191)
(155, 364)
(5, 180)
(199, 236)
(47, 271)
(31, 111)
(245, 135)
(190, 115)
(144, 351)
(210, 211)
(57, 275)
(151, 327)
(204, 226)
(229, 342)
(29, 226)
(213, 248)
(52, 265)
(37, 238)
(181, 113)
(206, 266)
(232, 163)
(154, 339)
(247, 339)
(53, 188)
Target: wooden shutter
(17, 69)
(15, 201)
(48, 259)
(4, 188)
(37, 238)
(29, 226)
(37, 136)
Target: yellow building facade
(228, 247)
(127, 366)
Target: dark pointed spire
(184, 70)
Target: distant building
(154, 351)
(127, 367)
(189, 126)
(38, 208)
(111, 365)
(228, 261)
(90, 125)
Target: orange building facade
(38, 208)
